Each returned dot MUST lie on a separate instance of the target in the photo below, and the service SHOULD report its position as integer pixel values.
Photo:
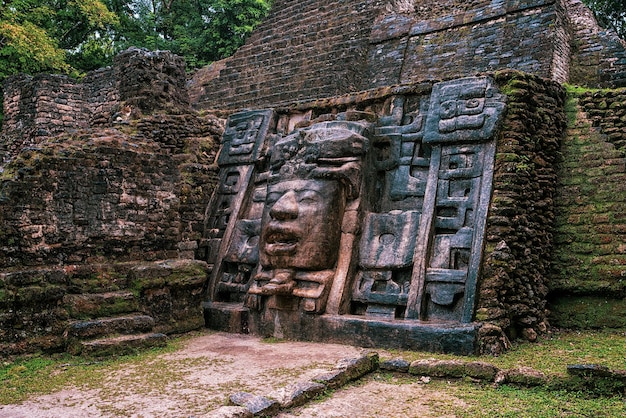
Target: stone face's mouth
(281, 240)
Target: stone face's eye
(273, 198)
(308, 197)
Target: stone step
(118, 345)
(100, 304)
(101, 327)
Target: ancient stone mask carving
(313, 173)
(302, 224)
(316, 222)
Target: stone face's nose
(286, 207)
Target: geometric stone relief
(230, 237)
(379, 216)
(463, 110)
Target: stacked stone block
(38, 107)
(303, 50)
(598, 55)
(140, 82)
(102, 95)
(151, 80)
(519, 227)
(454, 38)
(106, 194)
(41, 308)
(588, 285)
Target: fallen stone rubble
(597, 379)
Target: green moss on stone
(579, 312)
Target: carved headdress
(328, 150)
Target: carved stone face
(301, 225)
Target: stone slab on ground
(123, 344)
(257, 405)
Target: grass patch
(273, 340)
(578, 90)
(552, 353)
(40, 375)
(507, 401)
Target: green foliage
(610, 14)
(82, 35)
(36, 35)
(201, 31)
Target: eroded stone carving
(231, 230)
(313, 173)
(463, 110)
(319, 220)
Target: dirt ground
(198, 378)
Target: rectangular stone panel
(388, 239)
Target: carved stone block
(243, 139)
(388, 240)
(462, 110)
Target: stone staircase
(105, 324)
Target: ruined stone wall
(102, 95)
(519, 233)
(40, 106)
(455, 38)
(588, 287)
(151, 80)
(102, 206)
(104, 194)
(87, 219)
(302, 50)
(598, 56)
(140, 82)
(37, 304)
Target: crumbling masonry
(360, 172)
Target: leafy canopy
(36, 35)
(201, 31)
(610, 14)
(81, 35)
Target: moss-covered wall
(102, 201)
(87, 220)
(519, 234)
(588, 285)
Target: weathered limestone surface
(307, 50)
(102, 206)
(588, 286)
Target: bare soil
(198, 378)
